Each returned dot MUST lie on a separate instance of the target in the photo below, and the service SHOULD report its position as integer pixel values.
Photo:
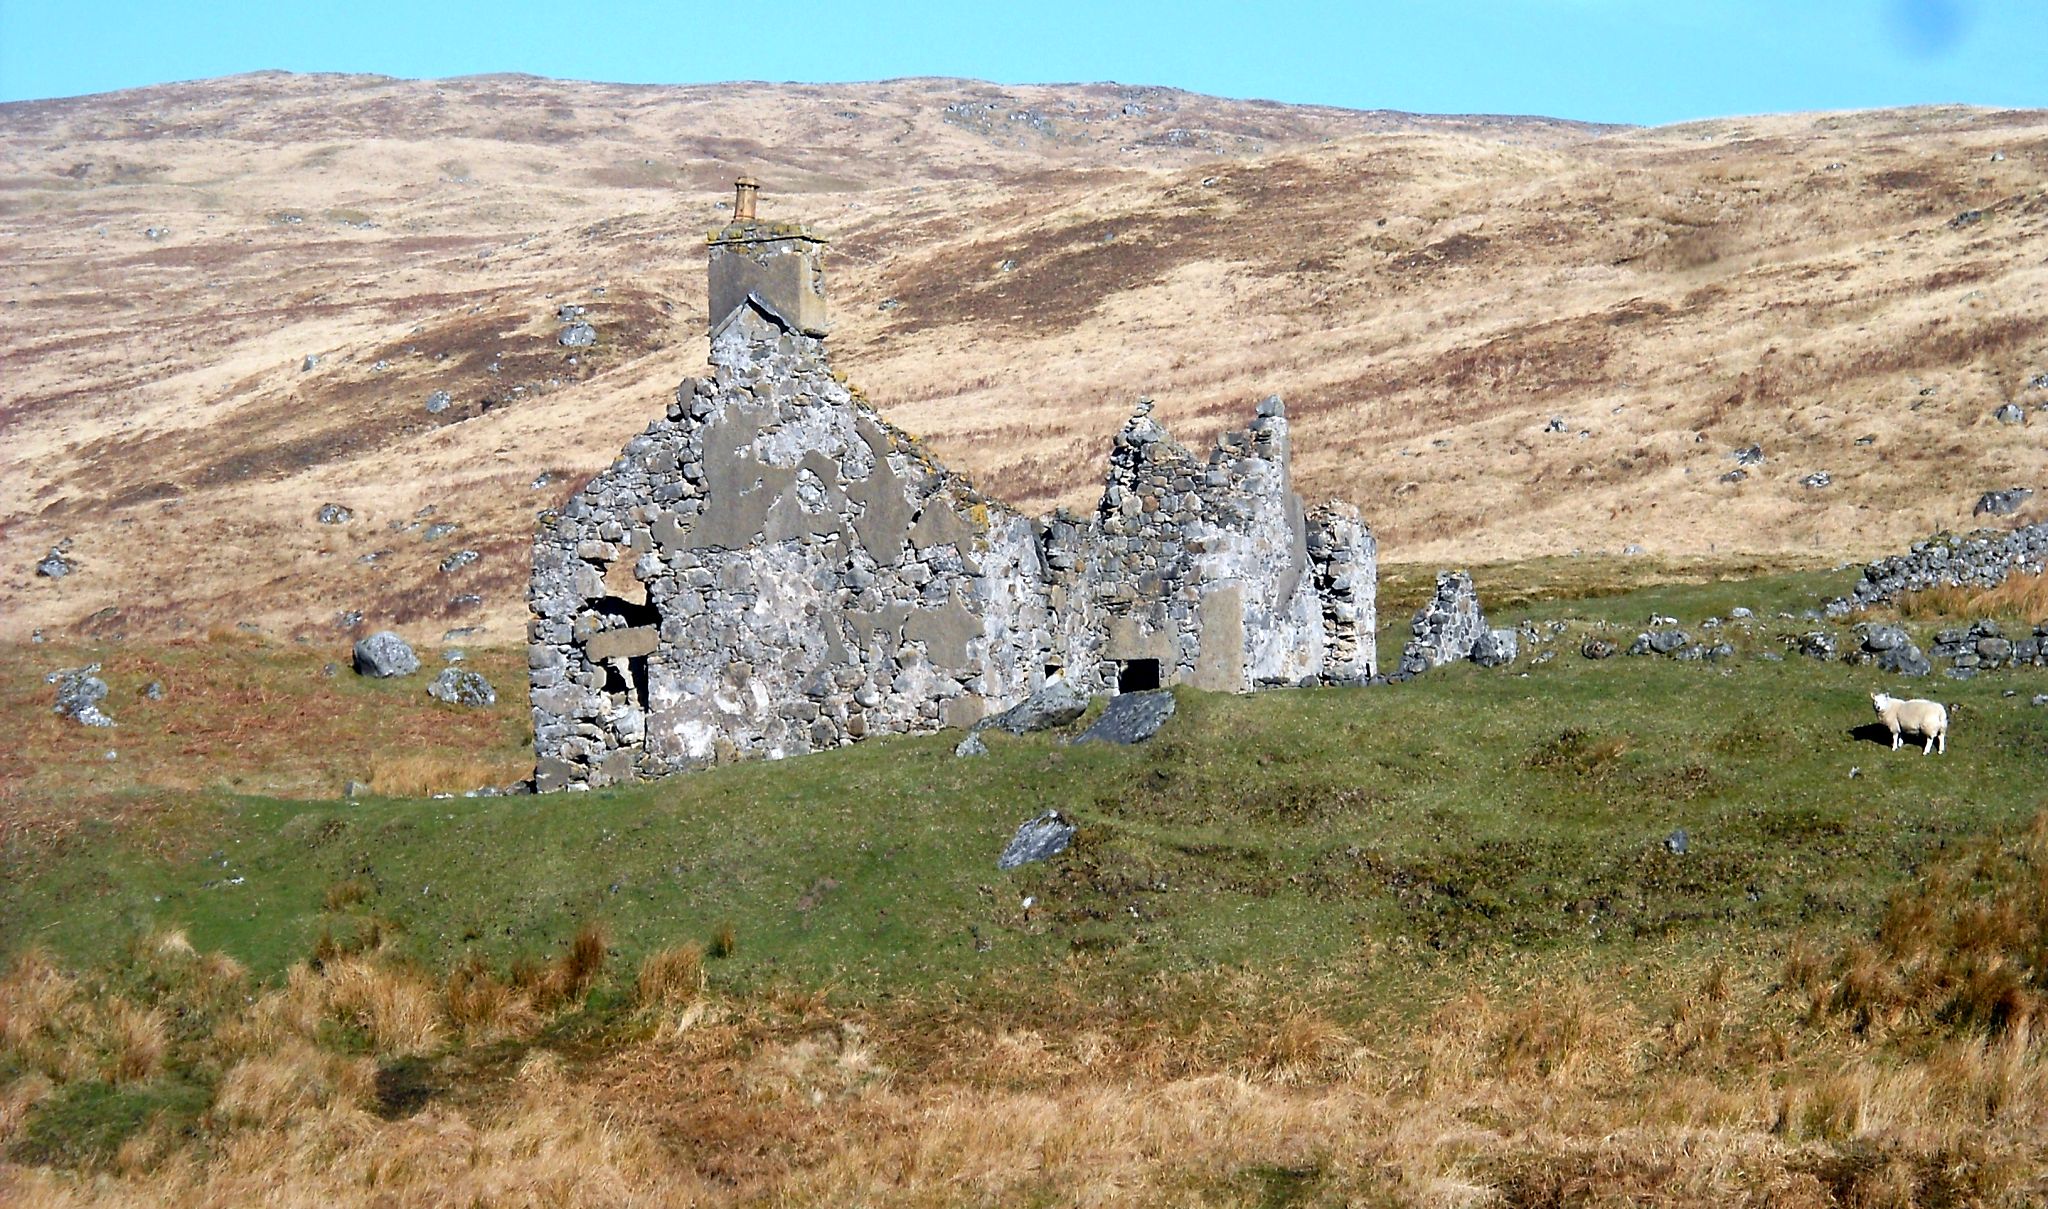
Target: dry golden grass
(395, 1007)
(1437, 291)
(424, 774)
(671, 977)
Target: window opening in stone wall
(628, 613)
(1137, 675)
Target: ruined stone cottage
(771, 568)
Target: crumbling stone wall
(772, 569)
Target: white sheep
(1928, 719)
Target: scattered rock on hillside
(1735, 476)
(1660, 642)
(1819, 478)
(458, 686)
(1444, 630)
(2002, 503)
(384, 654)
(568, 312)
(1130, 718)
(1749, 455)
(79, 693)
(438, 402)
(1815, 644)
(971, 746)
(458, 560)
(306, 366)
(2009, 413)
(153, 691)
(57, 563)
(577, 335)
(1043, 837)
(1597, 648)
(334, 514)
(438, 530)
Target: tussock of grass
(671, 977)
(2020, 597)
(424, 774)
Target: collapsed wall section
(1204, 571)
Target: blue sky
(1609, 60)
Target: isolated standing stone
(79, 693)
(384, 654)
(1045, 836)
(1130, 718)
(458, 686)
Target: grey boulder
(1907, 660)
(1496, 648)
(384, 654)
(577, 335)
(1045, 836)
(1130, 718)
(1055, 705)
(2001, 503)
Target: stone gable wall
(772, 569)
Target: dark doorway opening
(1137, 675)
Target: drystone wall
(1981, 559)
(771, 569)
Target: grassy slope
(1452, 815)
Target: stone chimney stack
(778, 265)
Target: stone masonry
(772, 569)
